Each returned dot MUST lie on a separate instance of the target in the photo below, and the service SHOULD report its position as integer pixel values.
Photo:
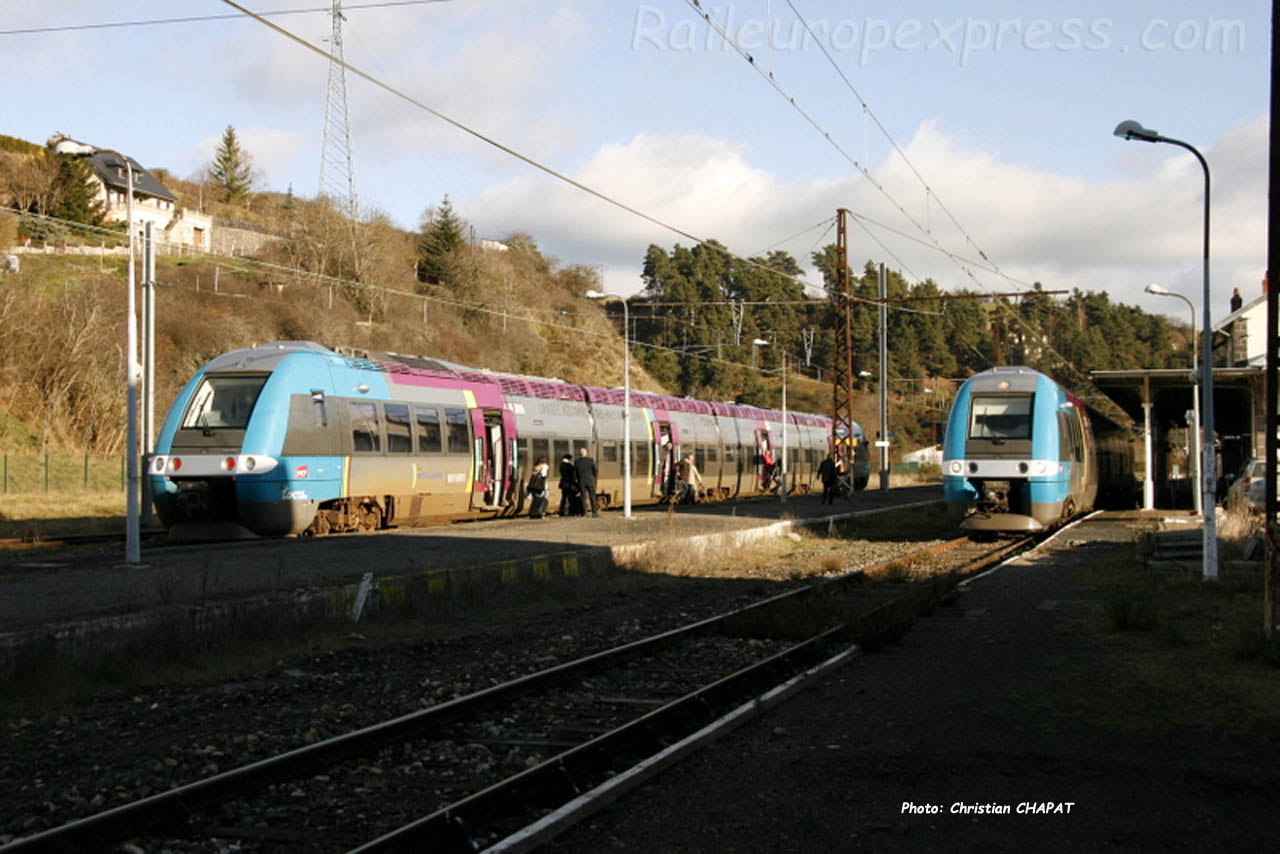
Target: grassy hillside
(321, 277)
(63, 339)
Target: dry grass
(59, 513)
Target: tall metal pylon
(337, 178)
(843, 441)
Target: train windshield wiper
(205, 429)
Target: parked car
(1249, 488)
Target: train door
(765, 462)
(664, 460)
(495, 461)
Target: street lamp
(132, 521)
(1130, 129)
(626, 397)
(1153, 288)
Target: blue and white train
(293, 438)
(1020, 454)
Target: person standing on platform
(690, 480)
(568, 485)
(585, 466)
(538, 489)
(829, 474)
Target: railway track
(413, 783)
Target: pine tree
(75, 191)
(441, 241)
(232, 168)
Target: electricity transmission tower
(843, 441)
(337, 179)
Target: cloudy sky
(952, 130)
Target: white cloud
(1066, 232)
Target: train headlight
(250, 464)
(1042, 467)
(1023, 468)
(157, 465)
(957, 467)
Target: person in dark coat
(568, 487)
(585, 466)
(829, 474)
(538, 489)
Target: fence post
(6, 474)
(86, 472)
(46, 473)
(124, 484)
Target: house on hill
(152, 202)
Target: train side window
(712, 454)
(609, 452)
(540, 449)
(429, 440)
(561, 448)
(730, 453)
(578, 444)
(456, 421)
(640, 458)
(365, 435)
(399, 440)
(699, 457)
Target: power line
(198, 19)
(542, 167)
(869, 112)
(795, 103)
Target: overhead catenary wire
(795, 103)
(243, 264)
(199, 19)
(506, 149)
(868, 112)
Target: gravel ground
(1008, 699)
(127, 744)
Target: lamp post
(132, 522)
(626, 397)
(1153, 288)
(1130, 129)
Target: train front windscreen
(223, 402)
(1000, 417)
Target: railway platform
(1004, 721)
(74, 594)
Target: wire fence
(27, 473)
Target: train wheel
(319, 525)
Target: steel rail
(180, 803)
(554, 781)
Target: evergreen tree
(441, 243)
(232, 168)
(75, 192)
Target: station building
(1162, 405)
